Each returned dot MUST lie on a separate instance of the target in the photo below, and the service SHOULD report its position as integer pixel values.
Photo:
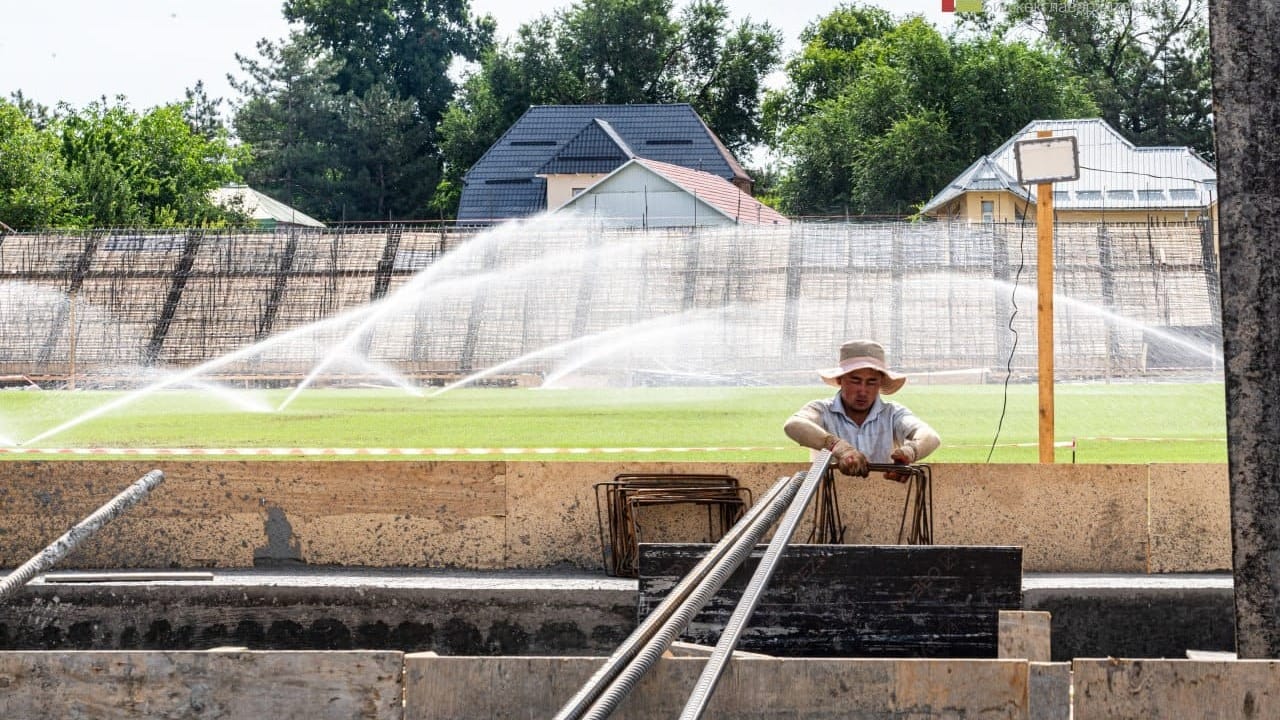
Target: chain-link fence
(554, 300)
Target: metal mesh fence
(556, 300)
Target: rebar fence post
(86, 528)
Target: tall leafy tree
(343, 116)
(614, 51)
(876, 119)
(291, 121)
(126, 169)
(32, 179)
(384, 176)
(407, 46)
(1145, 61)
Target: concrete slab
(1190, 518)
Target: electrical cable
(1198, 181)
(1013, 300)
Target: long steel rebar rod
(775, 505)
(82, 530)
(652, 624)
(711, 672)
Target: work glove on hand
(849, 460)
(904, 455)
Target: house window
(576, 191)
(988, 211)
(1151, 195)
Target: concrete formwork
(751, 688)
(493, 515)
(233, 682)
(215, 684)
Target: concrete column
(1246, 89)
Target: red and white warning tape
(446, 452)
(472, 452)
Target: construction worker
(856, 425)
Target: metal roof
(1114, 173)
(259, 207)
(580, 138)
(983, 174)
(595, 149)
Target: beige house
(1119, 182)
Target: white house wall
(634, 196)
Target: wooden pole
(1044, 308)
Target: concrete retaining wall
(488, 515)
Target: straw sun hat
(858, 354)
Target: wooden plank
(1116, 688)
(225, 684)
(854, 600)
(517, 688)
(1025, 634)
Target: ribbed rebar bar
(671, 628)
(82, 530)
(740, 534)
(711, 672)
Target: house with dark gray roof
(556, 151)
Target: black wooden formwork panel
(854, 600)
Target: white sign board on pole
(1047, 160)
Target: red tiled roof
(718, 193)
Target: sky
(151, 51)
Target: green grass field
(1110, 423)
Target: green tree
(290, 121)
(828, 59)
(1145, 61)
(131, 170)
(32, 195)
(405, 45)
(342, 116)
(202, 113)
(383, 176)
(876, 120)
(614, 51)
